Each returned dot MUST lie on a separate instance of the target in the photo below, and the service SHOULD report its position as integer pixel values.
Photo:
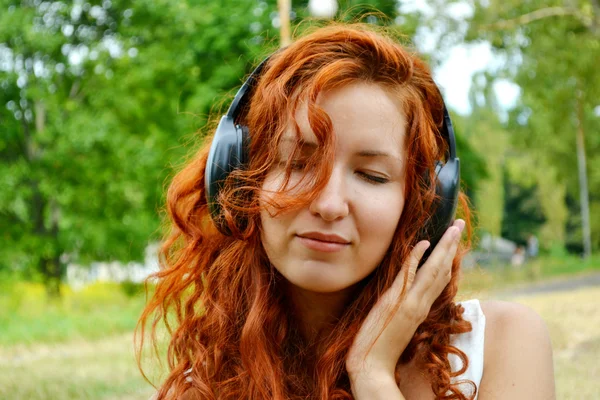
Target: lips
(323, 242)
(324, 237)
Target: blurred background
(101, 101)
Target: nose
(331, 203)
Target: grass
(82, 348)
(572, 319)
(500, 277)
(100, 310)
(77, 370)
(78, 348)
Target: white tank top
(472, 344)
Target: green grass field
(79, 348)
(99, 369)
(98, 311)
(82, 348)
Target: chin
(320, 287)
(319, 278)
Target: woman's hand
(373, 357)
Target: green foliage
(522, 214)
(549, 49)
(473, 164)
(486, 189)
(97, 311)
(84, 144)
(132, 289)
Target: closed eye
(298, 164)
(374, 179)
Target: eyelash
(375, 180)
(297, 165)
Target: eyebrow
(374, 153)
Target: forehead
(362, 114)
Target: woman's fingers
(414, 260)
(409, 269)
(435, 274)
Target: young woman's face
(342, 236)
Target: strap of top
(472, 344)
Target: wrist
(373, 368)
(374, 386)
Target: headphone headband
(448, 131)
(242, 96)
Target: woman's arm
(376, 386)
(517, 356)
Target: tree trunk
(52, 273)
(49, 265)
(583, 185)
(284, 19)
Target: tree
(555, 47)
(91, 99)
(549, 51)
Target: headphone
(229, 152)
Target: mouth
(323, 243)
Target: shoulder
(518, 353)
(506, 318)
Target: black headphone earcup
(447, 187)
(228, 152)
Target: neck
(317, 312)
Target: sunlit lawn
(79, 348)
(100, 310)
(82, 348)
(102, 369)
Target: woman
(301, 273)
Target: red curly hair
(234, 336)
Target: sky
(455, 73)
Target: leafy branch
(548, 12)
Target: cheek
(270, 236)
(273, 228)
(380, 220)
(270, 186)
